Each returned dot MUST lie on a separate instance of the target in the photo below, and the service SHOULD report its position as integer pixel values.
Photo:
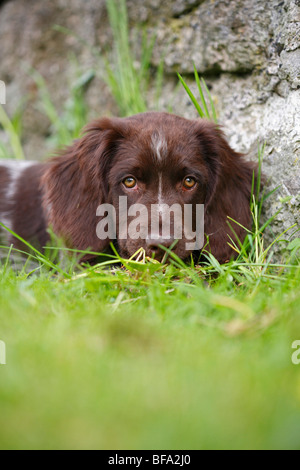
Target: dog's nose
(155, 244)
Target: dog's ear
(229, 192)
(76, 183)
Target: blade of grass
(212, 105)
(8, 258)
(192, 97)
(37, 253)
(203, 101)
(14, 139)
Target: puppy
(150, 162)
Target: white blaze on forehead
(159, 145)
(160, 198)
(161, 205)
(157, 211)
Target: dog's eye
(129, 182)
(189, 182)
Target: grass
(67, 125)
(127, 73)
(127, 82)
(13, 130)
(201, 107)
(125, 359)
(133, 354)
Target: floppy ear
(76, 184)
(229, 193)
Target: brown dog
(152, 159)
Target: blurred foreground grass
(147, 364)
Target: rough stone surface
(247, 50)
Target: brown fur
(91, 171)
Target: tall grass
(13, 130)
(202, 107)
(67, 124)
(129, 75)
(127, 71)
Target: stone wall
(247, 50)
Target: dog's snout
(155, 245)
(155, 242)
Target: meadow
(135, 354)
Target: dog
(151, 160)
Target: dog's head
(150, 169)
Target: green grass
(127, 82)
(127, 73)
(140, 355)
(202, 106)
(116, 360)
(13, 128)
(67, 125)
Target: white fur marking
(159, 145)
(157, 212)
(161, 206)
(16, 169)
(160, 188)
